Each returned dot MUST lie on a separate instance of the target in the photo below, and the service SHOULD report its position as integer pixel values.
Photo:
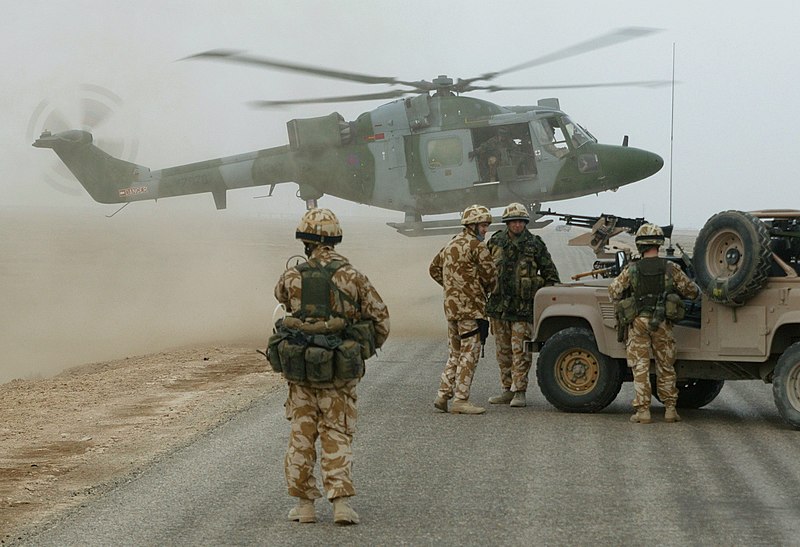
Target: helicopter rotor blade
(604, 40)
(341, 99)
(238, 57)
(645, 83)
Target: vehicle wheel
(786, 385)
(694, 392)
(732, 257)
(573, 375)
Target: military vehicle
(745, 326)
(414, 154)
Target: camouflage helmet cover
(476, 214)
(516, 211)
(649, 234)
(319, 226)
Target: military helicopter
(414, 154)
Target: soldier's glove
(471, 154)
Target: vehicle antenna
(670, 250)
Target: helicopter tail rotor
(90, 108)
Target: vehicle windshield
(577, 134)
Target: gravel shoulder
(68, 438)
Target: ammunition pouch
(626, 311)
(349, 362)
(318, 364)
(529, 285)
(362, 332)
(293, 360)
(674, 308)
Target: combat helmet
(476, 214)
(516, 211)
(649, 235)
(319, 226)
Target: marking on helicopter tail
(132, 191)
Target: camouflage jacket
(524, 266)
(465, 269)
(684, 286)
(369, 305)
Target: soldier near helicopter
(524, 266)
(464, 268)
(337, 320)
(646, 296)
(495, 151)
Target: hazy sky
(735, 112)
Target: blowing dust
(80, 287)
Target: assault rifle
(603, 227)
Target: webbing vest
(318, 291)
(649, 282)
(326, 346)
(518, 277)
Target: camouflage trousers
(641, 341)
(461, 361)
(328, 414)
(513, 360)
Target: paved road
(728, 475)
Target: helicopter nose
(625, 165)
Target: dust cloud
(78, 288)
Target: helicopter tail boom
(111, 180)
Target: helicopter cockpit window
(551, 137)
(577, 134)
(445, 152)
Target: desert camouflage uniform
(642, 340)
(327, 410)
(511, 312)
(465, 269)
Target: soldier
(494, 151)
(524, 266)
(465, 269)
(649, 281)
(328, 297)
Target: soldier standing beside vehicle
(337, 320)
(464, 268)
(646, 296)
(524, 266)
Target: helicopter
(418, 154)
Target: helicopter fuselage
(417, 155)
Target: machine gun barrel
(603, 228)
(585, 221)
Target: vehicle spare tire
(732, 257)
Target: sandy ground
(168, 307)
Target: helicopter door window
(446, 152)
